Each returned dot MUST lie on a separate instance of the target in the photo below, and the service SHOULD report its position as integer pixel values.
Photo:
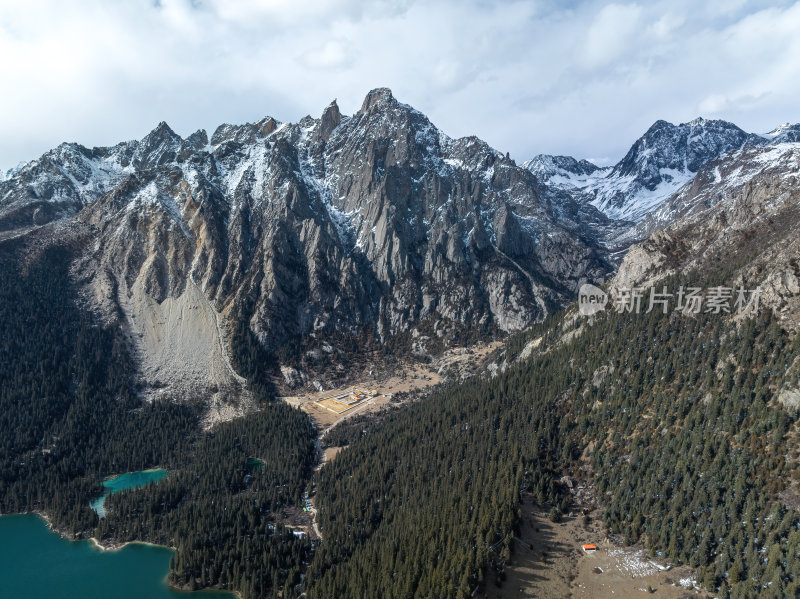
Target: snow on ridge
(725, 178)
(658, 165)
(778, 151)
(342, 221)
(603, 188)
(151, 197)
(455, 163)
(8, 174)
(255, 162)
(755, 161)
(776, 131)
(90, 177)
(638, 199)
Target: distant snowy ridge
(10, 172)
(665, 159)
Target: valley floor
(548, 561)
(455, 363)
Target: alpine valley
(196, 304)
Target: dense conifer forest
(674, 419)
(70, 417)
(676, 416)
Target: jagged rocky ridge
(371, 226)
(663, 160)
(374, 224)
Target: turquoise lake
(129, 480)
(36, 563)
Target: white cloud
(333, 54)
(716, 104)
(610, 35)
(665, 27)
(584, 78)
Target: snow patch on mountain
(777, 131)
(639, 200)
(721, 180)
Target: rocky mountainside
(375, 225)
(659, 163)
(783, 134)
(738, 215)
(338, 233)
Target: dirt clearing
(409, 377)
(549, 563)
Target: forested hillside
(676, 416)
(70, 417)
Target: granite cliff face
(373, 224)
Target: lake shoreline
(145, 471)
(116, 546)
(126, 480)
(112, 546)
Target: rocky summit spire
(162, 131)
(381, 96)
(198, 139)
(158, 146)
(331, 118)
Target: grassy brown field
(548, 563)
(336, 407)
(330, 454)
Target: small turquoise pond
(254, 464)
(129, 480)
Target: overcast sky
(578, 78)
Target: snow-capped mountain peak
(334, 225)
(547, 167)
(658, 164)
